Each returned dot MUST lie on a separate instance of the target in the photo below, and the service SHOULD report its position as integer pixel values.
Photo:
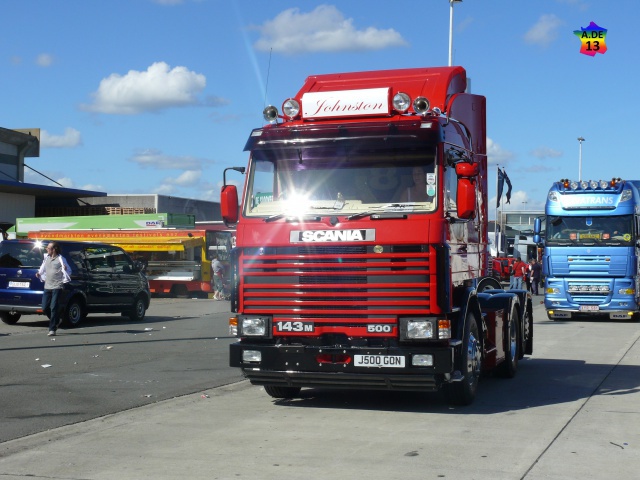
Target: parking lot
(571, 412)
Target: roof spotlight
(401, 102)
(291, 107)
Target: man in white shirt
(54, 272)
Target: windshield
(341, 181)
(587, 230)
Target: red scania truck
(361, 255)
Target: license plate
(393, 361)
(18, 284)
(589, 308)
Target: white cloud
(44, 60)
(164, 189)
(65, 182)
(157, 88)
(158, 160)
(496, 154)
(546, 152)
(323, 30)
(93, 187)
(70, 138)
(185, 179)
(544, 32)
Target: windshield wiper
(293, 218)
(383, 210)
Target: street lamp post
(580, 139)
(451, 2)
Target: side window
(121, 261)
(263, 184)
(98, 260)
(74, 259)
(450, 190)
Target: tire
(10, 318)
(282, 392)
(527, 334)
(73, 313)
(179, 291)
(509, 367)
(139, 310)
(489, 283)
(464, 391)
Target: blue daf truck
(590, 260)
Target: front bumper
(568, 313)
(298, 366)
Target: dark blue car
(104, 279)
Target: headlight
(420, 329)
(552, 290)
(626, 291)
(254, 326)
(416, 329)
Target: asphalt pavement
(572, 412)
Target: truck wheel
(73, 313)
(464, 391)
(509, 367)
(282, 392)
(489, 283)
(10, 318)
(527, 334)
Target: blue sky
(159, 96)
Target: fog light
(422, 360)
(251, 356)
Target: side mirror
(229, 204)
(537, 226)
(466, 195)
(466, 199)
